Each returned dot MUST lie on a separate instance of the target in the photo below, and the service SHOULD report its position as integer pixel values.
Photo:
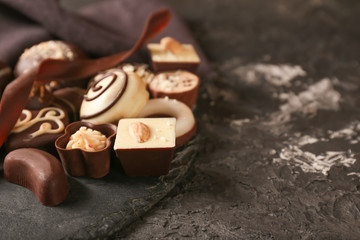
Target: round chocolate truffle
(53, 49)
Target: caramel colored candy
(38, 171)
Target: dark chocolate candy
(78, 162)
(38, 129)
(38, 171)
(39, 97)
(70, 99)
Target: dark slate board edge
(117, 221)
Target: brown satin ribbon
(16, 94)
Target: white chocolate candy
(87, 139)
(159, 54)
(161, 133)
(113, 95)
(185, 120)
(142, 70)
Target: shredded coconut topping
(87, 139)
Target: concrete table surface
(280, 125)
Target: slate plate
(95, 208)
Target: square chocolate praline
(150, 158)
(163, 60)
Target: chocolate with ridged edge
(38, 171)
(78, 162)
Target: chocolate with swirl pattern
(115, 78)
(38, 129)
(113, 94)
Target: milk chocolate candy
(169, 54)
(180, 85)
(5, 76)
(38, 171)
(37, 129)
(81, 161)
(145, 146)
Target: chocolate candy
(180, 85)
(40, 97)
(37, 129)
(185, 120)
(70, 100)
(113, 94)
(171, 55)
(5, 76)
(142, 70)
(17, 92)
(38, 171)
(32, 56)
(79, 162)
(145, 146)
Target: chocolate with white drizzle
(38, 129)
(113, 94)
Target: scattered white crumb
(320, 95)
(239, 122)
(293, 155)
(277, 75)
(305, 140)
(309, 162)
(354, 174)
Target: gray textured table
(280, 127)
